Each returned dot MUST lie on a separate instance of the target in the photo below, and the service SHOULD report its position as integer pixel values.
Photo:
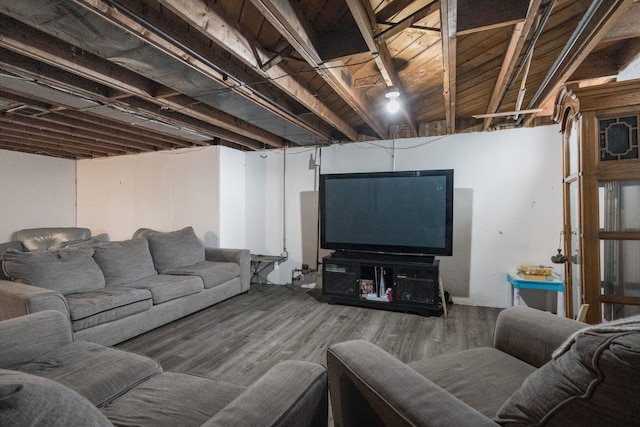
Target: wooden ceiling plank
(602, 18)
(298, 32)
(211, 23)
(366, 21)
(391, 9)
(511, 56)
(448, 10)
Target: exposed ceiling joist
(289, 22)
(366, 21)
(179, 47)
(95, 78)
(516, 44)
(18, 37)
(448, 16)
(213, 24)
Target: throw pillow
(124, 262)
(30, 400)
(175, 249)
(66, 271)
(593, 379)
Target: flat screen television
(408, 212)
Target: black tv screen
(409, 212)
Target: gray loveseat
(46, 378)
(542, 370)
(113, 291)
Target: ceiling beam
(181, 43)
(18, 37)
(595, 24)
(408, 21)
(516, 44)
(366, 21)
(210, 22)
(448, 11)
(299, 33)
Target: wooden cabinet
(601, 198)
(391, 282)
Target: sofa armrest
(368, 386)
(25, 338)
(18, 299)
(292, 393)
(532, 335)
(240, 256)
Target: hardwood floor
(240, 339)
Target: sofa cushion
(66, 270)
(593, 379)
(98, 373)
(175, 249)
(165, 287)
(483, 378)
(28, 400)
(92, 308)
(212, 273)
(124, 262)
(172, 399)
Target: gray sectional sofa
(47, 378)
(112, 291)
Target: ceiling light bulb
(393, 105)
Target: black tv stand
(399, 282)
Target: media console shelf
(405, 283)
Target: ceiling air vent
(27, 111)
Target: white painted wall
(37, 191)
(165, 191)
(232, 198)
(236, 199)
(513, 176)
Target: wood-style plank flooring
(239, 339)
